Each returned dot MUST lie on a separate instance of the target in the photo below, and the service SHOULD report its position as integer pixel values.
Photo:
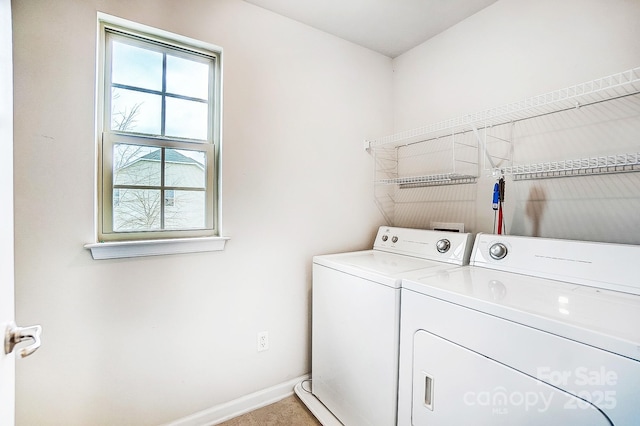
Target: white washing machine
(356, 322)
(534, 332)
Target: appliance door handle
(428, 391)
(14, 335)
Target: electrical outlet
(263, 341)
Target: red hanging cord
(500, 201)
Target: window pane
(184, 168)
(187, 212)
(136, 165)
(186, 119)
(169, 197)
(187, 78)
(136, 112)
(138, 210)
(135, 66)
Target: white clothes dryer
(534, 332)
(356, 321)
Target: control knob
(394, 239)
(443, 245)
(385, 237)
(498, 251)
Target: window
(159, 135)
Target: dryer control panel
(602, 265)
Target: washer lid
(381, 267)
(602, 318)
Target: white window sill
(120, 249)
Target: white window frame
(110, 244)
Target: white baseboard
(223, 412)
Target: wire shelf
(449, 152)
(584, 166)
(428, 180)
(613, 86)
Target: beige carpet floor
(287, 412)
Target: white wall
(512, 50)
(148, 340)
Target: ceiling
(390, 27)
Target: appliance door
(355, 341)
(7, 361)
(454, 385)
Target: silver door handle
(14, 335)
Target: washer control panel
(452, 247)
